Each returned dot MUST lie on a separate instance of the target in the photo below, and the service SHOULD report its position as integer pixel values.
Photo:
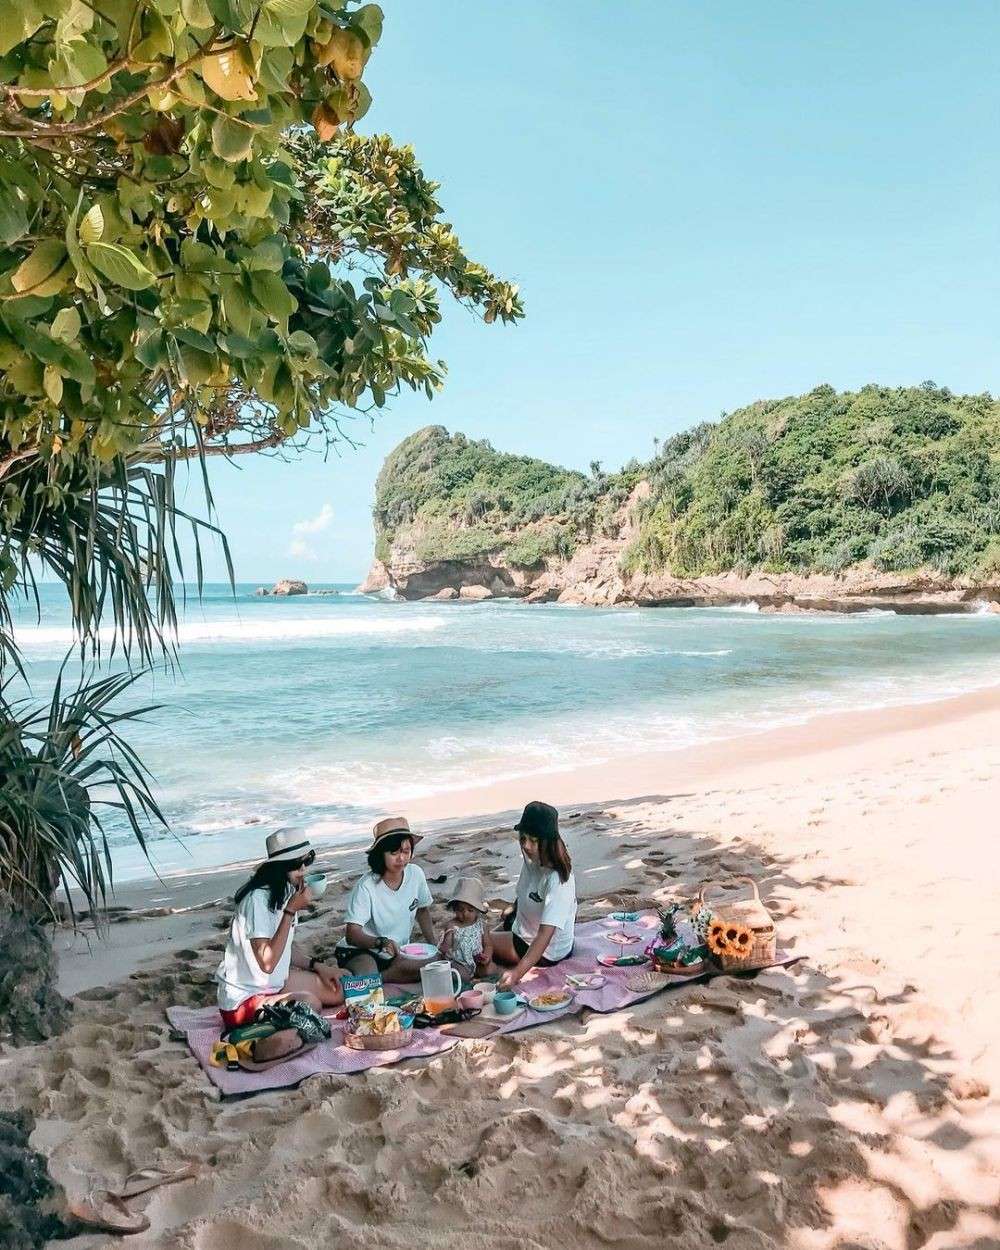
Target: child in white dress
(467, 942)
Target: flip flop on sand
(107, 1213)
(146, 1179)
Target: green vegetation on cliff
(469, 500)
(901, 479)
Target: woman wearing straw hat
(384, 903)
(259, 964)
(542, 931)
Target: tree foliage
(899, 479)
(197, 257)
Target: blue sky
(704, 204)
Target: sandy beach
(843, 1104)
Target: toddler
(467, 942)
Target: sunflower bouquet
(728, 939)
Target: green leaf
(92, 226)
(197, 13)
(18, 21)
(149, 350)
(120, 265)
(42, 273)
(13, 217)
(280, 32)
(267, 255)
(236, 306)
(272, 295)
(232, 140)
(52, 383)
(194, 338)
(283, 9)
(369, 18)
(66, 325)
(302, 343)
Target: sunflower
(717, 941)
(735, 941)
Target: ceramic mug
(316, 883)
(471, 998)
(504, 1003)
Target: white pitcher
(440, 982)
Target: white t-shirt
(543, 899)
(382, 912)
(239, 975)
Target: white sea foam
(231, 629)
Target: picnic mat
(203, 1025)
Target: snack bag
(361, 992)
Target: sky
(703, 204)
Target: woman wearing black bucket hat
(542, 932)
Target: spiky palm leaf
(111, 538)
(63, 767)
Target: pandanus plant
(64, 767)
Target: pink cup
(471, 998)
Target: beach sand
(843, 1104)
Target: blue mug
(505, 1003)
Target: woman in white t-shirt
(384, 904)
(259, 964)
(542, 930)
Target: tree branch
(57, 130)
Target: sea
(329, 710)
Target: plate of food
(622, 961)
(586, 980)
(551, 1000)
(418, 950)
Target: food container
(750, 913)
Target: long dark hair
(553, 853)
(272, 875)
(376, 856)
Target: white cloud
(298, 547)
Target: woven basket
(374, 1041)
(750, 912)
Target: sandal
(107, 1213)
(146, 1179)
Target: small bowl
(487, 989)
(316, 881)
(505, 1003)
(472, 998)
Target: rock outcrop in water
(826, 502)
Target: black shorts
(344, 955)
(521, 946)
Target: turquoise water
(327, 710)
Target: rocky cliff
(878, 499)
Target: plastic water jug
(440, 983)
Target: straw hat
(287, 844)
(470, 890)
(393, 824)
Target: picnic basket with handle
(750, 912)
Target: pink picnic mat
(203, 1025)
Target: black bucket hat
(539, 820)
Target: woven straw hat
(393, 824)
(470, 890)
